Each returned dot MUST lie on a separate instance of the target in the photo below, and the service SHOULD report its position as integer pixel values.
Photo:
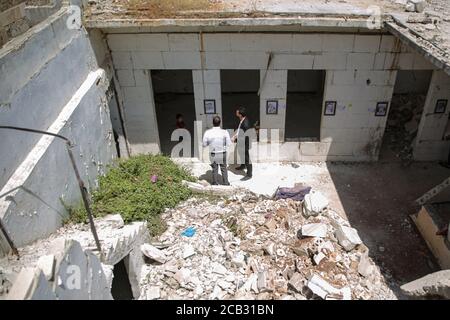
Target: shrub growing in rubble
(139, 189)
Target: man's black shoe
(241, 167)
(246, 178)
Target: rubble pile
(250, 247)
(403, 123)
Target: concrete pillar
(429, 145)
(273, 88)
(207, 87)
(140, 115)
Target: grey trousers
(219, 160)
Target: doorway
(304, 105)
(173, 92)
(408, 101)
(121, 287)
(239, 89)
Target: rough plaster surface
(74, 245)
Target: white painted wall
(361, 71)
(429, 142)
(49, 80)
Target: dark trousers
(219, 159)
(248, 164)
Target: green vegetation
(127, 189)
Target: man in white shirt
(218, 141)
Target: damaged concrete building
(350, 81)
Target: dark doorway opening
(408, 101)
(304, 105)
(239, 89)
(173, 91)
(121, 287)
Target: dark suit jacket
(246, 126)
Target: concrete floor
(377, 199)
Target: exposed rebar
(84, 193)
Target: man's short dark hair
(216, 121)
(179, 115)
(242, 111)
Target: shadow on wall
(377, 199)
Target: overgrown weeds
(139, 189)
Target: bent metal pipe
(83, 190)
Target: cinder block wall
(360, 71)
(49, 80)
(429, 144)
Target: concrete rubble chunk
(365, 267)
(434, 284)
(415, 5)
(23, 286)
(219, 269)
(323, 289)
(47, 266)
(188, 251)
(153, 293)
(314, 230)
(314, 204)
(182, 276)
(296, 282)
(347, 237)
(318, 258)
(153, 253)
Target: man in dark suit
(244, 125)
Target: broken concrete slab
(297, 282)
(314, 204)
(153, 293)
(47, 266)
(347, 237)
(314, 230)
(153, 253)
(434, 284)
(188, 251)
(323, 289)
(365, 266)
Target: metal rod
(84, 193)
(9, 240)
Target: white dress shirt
(217, 139)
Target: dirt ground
(377, 200)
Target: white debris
(348, 237)
(153, 253)
(318, 258)
(219, 269)
(188, 251)
(314, 230)
(47, 265)
(325, 290)
(315, 203)
(365, 267)
(153, 293)
(415, 5)
(183, 276)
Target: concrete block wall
(39, 73)
(45, 182)
(49, 80)
(63, 284)
(361, 71)
(429, 144)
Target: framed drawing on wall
(441, 106)
(272, 107)
(210, 106)
(381, 109)
(330, 108)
